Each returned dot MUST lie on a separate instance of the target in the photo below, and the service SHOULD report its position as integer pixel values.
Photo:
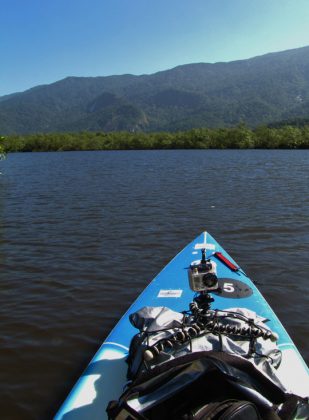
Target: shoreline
(240, 137)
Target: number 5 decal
(233, 289)
(228, 287)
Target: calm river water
(82, 233)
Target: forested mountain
(256, 91)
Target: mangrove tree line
(240, 137)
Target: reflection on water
(82, 233)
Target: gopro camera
(203, 275)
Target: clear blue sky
(42, 41)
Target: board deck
(105, 377)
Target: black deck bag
(206, 385)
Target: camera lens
(210, 280)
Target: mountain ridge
(260, 90)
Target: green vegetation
(240, 137)
(2, 152)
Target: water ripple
(76, 228)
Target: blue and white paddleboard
(105, 377)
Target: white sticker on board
(170, 293)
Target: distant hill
(260, 90)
